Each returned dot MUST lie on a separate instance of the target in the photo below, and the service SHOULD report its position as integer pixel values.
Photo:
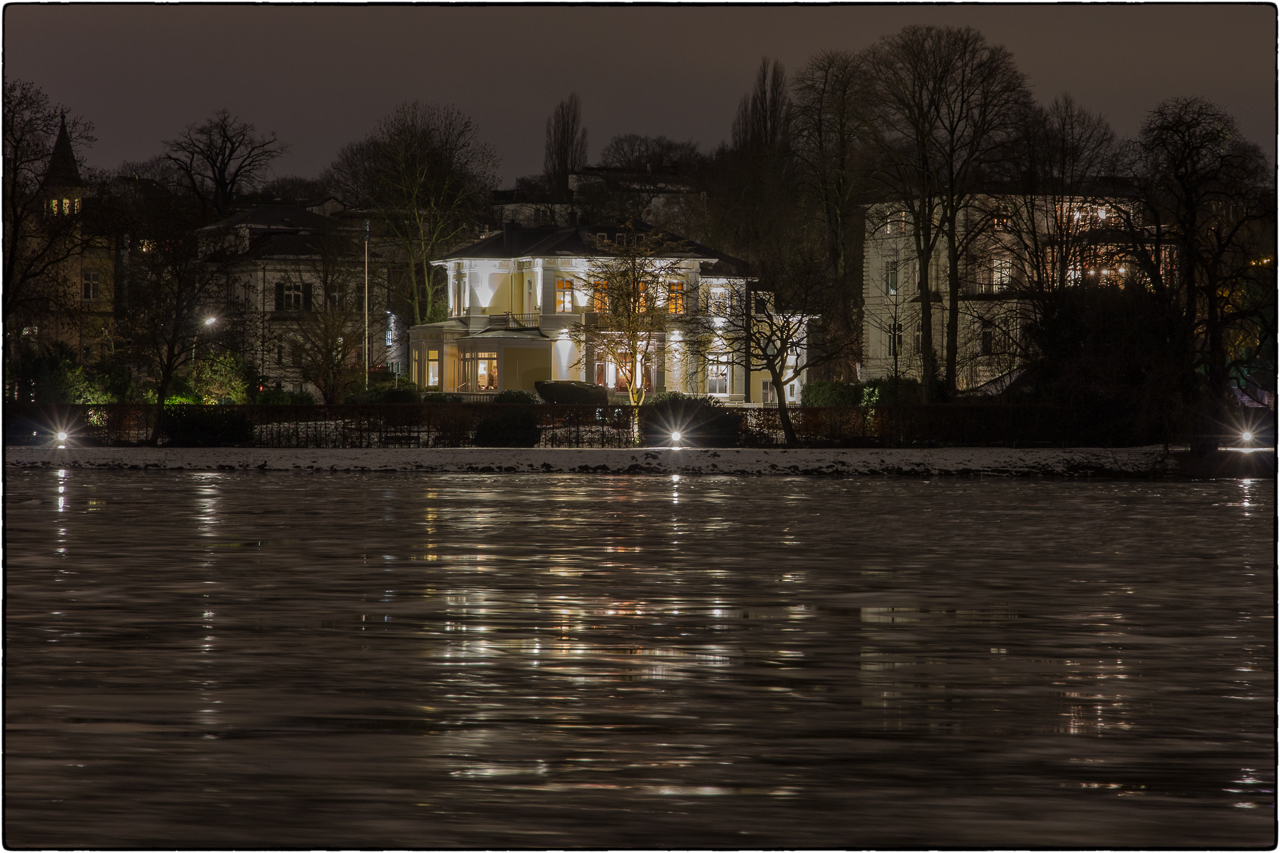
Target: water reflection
(507, 661)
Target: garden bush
(516, 396)
(205, 426)
(512, 427)
(565, 391)
(385, 392)
(826, 392)
(701, 422)
(440, 397)
(281, 397)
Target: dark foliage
(281, 397)
(1113, 354)
(701, 422)
(205, 426)
(563, 391)
(513, 395)
(511, 427)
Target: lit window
(718, 364)
(481, 370)
(891, 278)
(600, 297)
(675, 297)
(719, 302)
(433, 368)
(564, 296)
(1001, 273)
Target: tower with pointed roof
(63, 188)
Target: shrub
(281, 397)
(401, 395)
(701, 422)
(205, 426)
(515, 396)
(564, 391)
(385, 392)
(825, 392)
(219, 379)
(510, 428)
(439, 397)
(890, 392)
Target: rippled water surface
(387, 660)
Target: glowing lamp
(1248, 436)
(62, 436)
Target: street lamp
(210, 321)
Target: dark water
(385, 660)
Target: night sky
(321, 76)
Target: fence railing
(469, 424)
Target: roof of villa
(580, 241)
(284, 217)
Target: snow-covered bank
(1123, 462)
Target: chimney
(508, 234)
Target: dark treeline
(931, 131)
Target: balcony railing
(515, 321)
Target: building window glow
(564, 296)
(480, 371)
(675, 297)
(718, 373)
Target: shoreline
(1145, 462)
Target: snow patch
(966, 461)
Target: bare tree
(566, 146)
(222, 159)
(171, 291)
(1205, 219)
(830, 115)
(326, 338)
(426, 178)
(633, 152)
(763, 122)
(1057, 197)
(752, 188)
(947, 103)
(39, 241)
(630, 285)
(782, 322)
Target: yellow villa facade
(514, 296)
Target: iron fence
(471, 424)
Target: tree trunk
(784, 414)
(953, 309)
(162, 393)
(926, 323)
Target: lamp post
(366, 305)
